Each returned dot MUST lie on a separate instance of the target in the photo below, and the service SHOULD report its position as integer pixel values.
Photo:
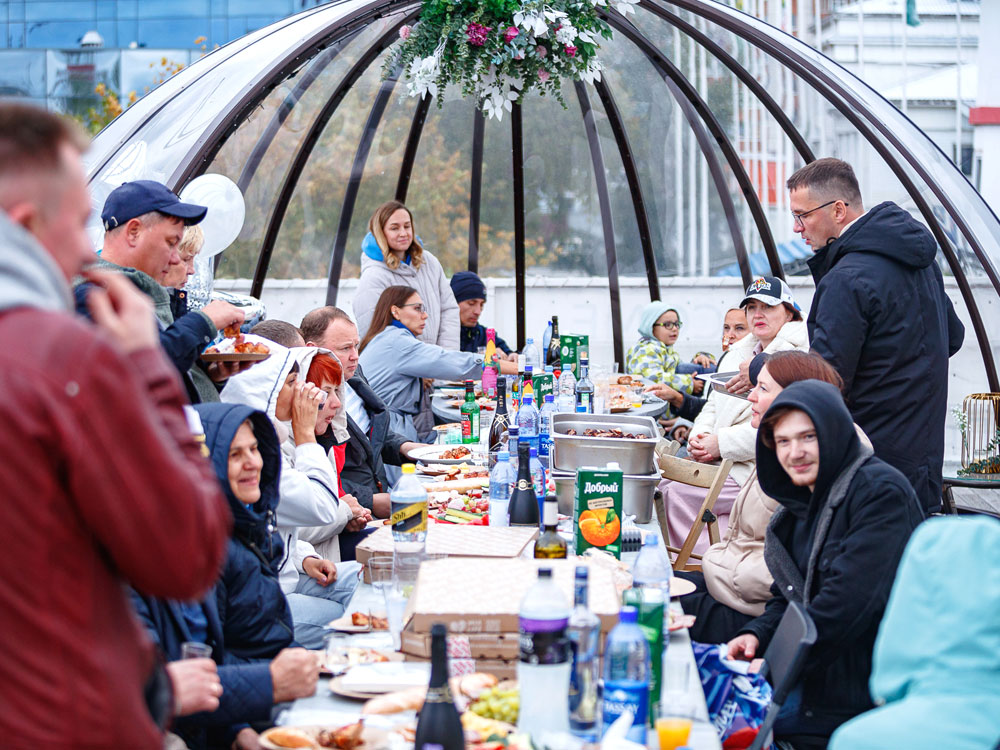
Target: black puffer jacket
(366, 453)
(256, 620)
(881, 317)
(835, 549)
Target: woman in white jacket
(317, 589)
(722, 429)
(392, 255)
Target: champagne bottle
(501, 420)
(439, 726)
(523, 508)
(550, 545)
(553, 354)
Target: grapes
(501, 705)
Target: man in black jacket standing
(372, 443)
(881, 317)
(833, 546)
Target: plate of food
(359, 622)
(236, 347)
(680, 621)
(354, 736)
(336, 661)
(442, 454)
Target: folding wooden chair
(783, 661)
(708, 476)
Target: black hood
(221, 421)
(838, 446)
(884, 230)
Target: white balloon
(226, 210)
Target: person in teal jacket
(936, 667)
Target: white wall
(583, 307)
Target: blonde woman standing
(392, 255)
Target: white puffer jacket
(728, 417)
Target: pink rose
(477, 33)
(404, 32)
(510, 34)
(570, 51)
(541, 51)
(543, 75)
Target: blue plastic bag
(736, 700)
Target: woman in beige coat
(734, 583)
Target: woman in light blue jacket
(394, 360)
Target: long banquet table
(325, 707)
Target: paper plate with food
(484, 403)
(336, 661)
(237, 347)
(441, 454)
(359, 622)
(354, 736)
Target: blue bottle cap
(628, 614)
(503, 456)
(534, 452)
(528, 368)
(512, 430)
(549, 398)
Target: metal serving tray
(635, 456)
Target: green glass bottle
(470, 414)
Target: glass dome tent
(299, 117)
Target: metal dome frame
(259, 62)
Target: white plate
(430, 454)
(386, 677)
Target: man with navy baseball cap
(143, 226)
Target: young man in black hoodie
(881, 317)
(833, 546)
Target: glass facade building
(41, 57)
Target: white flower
(421, 76)
(566, 34)
(586, 36)
(625, 6)
(554, 15)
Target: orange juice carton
(597, 509)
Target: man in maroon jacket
(102, 481)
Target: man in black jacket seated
(881, 317)
(372, 443)
(833, 546)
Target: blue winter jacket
(936, 666)
(256, 620)
(881, 317)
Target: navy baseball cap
(136, 198)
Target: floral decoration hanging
(499, 50)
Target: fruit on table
(498, 703)
(600, 526)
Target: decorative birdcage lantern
(981, 433)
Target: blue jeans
(313, 606)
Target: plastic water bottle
(547, 336)
(538, 480)
(528, 422)
(584, 633)
(512, 440)
(408, 501)
(544, 662)
(502, 480)
(626, 676)
(545, 426)
(567, 392)
(650, 593)
(531, 355)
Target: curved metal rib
(476, 188)
(410, 152)
(849, 106)
(354, 183)
(755, 86)
(517, 163)
(306, 148)
(696, 111)
(634, 186)
(607, 220)
(202, 152)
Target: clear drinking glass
(380, 572)
(195, 650)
